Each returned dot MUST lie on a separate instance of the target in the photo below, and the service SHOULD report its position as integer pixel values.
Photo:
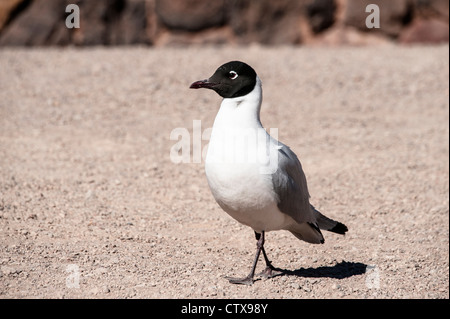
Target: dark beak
(202, 84)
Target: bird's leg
(270, 270)
(249, 279)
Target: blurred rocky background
(182, 22)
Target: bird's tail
(326, 223)
(308, 232)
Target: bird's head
(232, 79)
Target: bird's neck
(241, 112)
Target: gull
(256, 179)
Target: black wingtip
(339, 229)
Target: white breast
(239, 153)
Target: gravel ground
(92, 206)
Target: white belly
(246, 195)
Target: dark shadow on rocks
(341, 270)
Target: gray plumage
(289, 183)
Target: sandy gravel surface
(92, 206)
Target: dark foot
(270, 272)
(241, 281)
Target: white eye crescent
(232, 75)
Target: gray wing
(290, 185)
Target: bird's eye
(232, 75)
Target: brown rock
(267, 22)
(96, 19)
(425, 31)
(321, 14)
(429, 9)
(7, 8)
(132, 24)
(112, 22)
(183, 22)
(42, 22)
(345, 35)
(393, 14)
(191, 15)
(212, 36)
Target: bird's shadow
(340, 270)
